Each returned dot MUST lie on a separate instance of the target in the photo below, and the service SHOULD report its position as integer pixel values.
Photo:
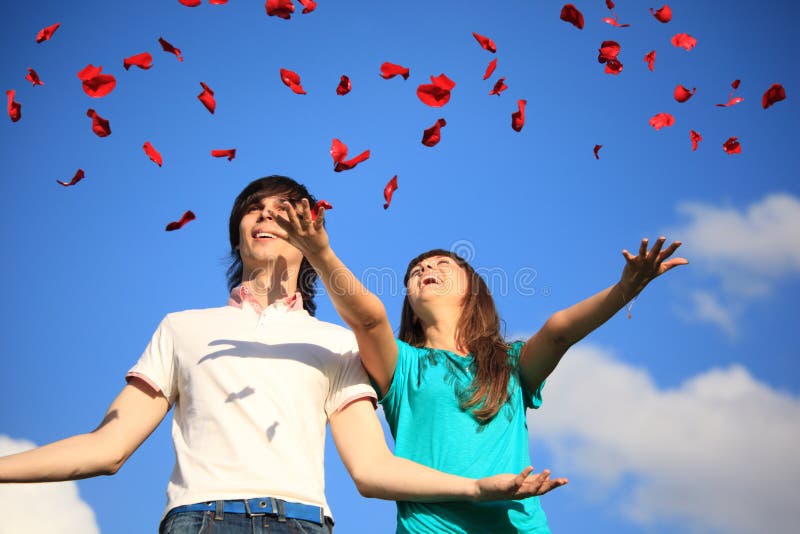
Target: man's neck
(270, 286)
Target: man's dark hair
(258, 189)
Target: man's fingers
(654, 252)
(643, 248)
(627, 255)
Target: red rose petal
(100, 126)
(663, 15)
(190, 3)
(650, 59)
(499, 87)
(596, 150)
(344, 86)
(518, 117)
(775, 93)
(490, 69)
(614, 67)
(731, 102)
(485, 42)
(292, 80)
(389, 190)
(95, 83)
(610, 4)
(143, 61)
(33, 77)
(339, 152)
(732, 146)
(46, 33)
(207, 98)
(280, 8)
(79, 175)
(152, 153)
(324, 204)
(390, 70)
(217, 2)
(14, 108)
(684, 40)
(308, 6)
(661, 120)
(570, 13)
(696, 138)
(735, 84)
(436, 94)
(431, 136)
(177, 225)
(169, 48)
(682, 94)
(613, 22)
(608, 50)
(229, 153)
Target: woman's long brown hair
(478, 331)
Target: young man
(253, 385)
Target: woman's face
(437, 280)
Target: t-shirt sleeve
(406, 370)
(531, 399)
(349, 383)
(156, 366)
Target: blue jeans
(205, 523)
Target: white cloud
(749, 249)
(51, 508)
(709, 309)
(718, 453)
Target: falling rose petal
(431, 136)
(660, 120)
(308, 6)
(436, 94)
(735, 84)
(95, 83)
(390, 70)
(499, 87)
(614, 22)
(152, 153)
(662, 15)
(100, 126)
(608, 51)
(731, 102)
(339, 152)
(14, 108)
(389, 190)
(596, 150)
(490, 69)
(79, 175)
(613, 66)
(143, 61)
(684, 40)
(650, 59)
(344, 86)
(609, 4)
(207, 98)
(46, 33)
(280, 8)
(33, 77)
(775, 93)
(732, 146)
(324, 204)
(169, 48)
(570, 13)
(518, 117)
(696, 138)
(485, 42)
(682, 94)
(190, 3)
(292, 80)
(177, 225)
(217, 2)
(229, 153)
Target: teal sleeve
(404, 372)
(531, 399)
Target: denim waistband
(257, 506)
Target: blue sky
(667, 420)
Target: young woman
(454, 392)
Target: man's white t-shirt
(252, 391)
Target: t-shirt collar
(242, 294)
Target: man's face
(258, 246)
